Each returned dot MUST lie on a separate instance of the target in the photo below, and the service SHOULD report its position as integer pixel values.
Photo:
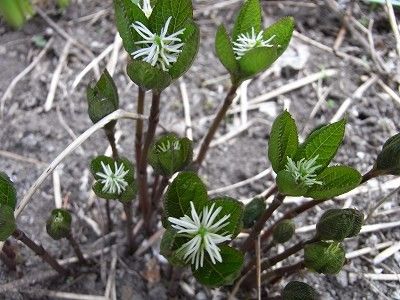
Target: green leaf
(8, 193)
(102, 98)
(323, 142)
(223, 273)
(283, 141)
(191, 39)
(256, 60)
(147, 76)
(180, 11)
(388, 161)
(126, 13)
(170, 244)
(288, 186)
(224, 50)
(283, 31)
(249, 17)
(7, 222)
(233, 208)
(186, 187)
(336, 181)
(95, 167)
(170, 154)
(252, 211)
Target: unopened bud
(58, 226)
(297, 290)
(338, 224)
(324, 257)
(283, 231)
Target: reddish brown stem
(144, 203)
(129, 226)
(214, 126)
(248, 244)
(277, 274)
(40, 251)
(76, 248)
(139, 126)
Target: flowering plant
(215, 237)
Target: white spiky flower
(204, 232)
(250, 40)
(159, 50)
(303, 171)
(113, 181)
(164, 147)
(146, 8)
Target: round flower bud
(338, 224)
(170, 154)
(297, 290)
(388, 161)
(283, 231)
(252, 211)
(324, 257)
(7, 222)
(58, 226)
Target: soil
(28, 131)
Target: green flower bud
(58, 226)
(283, 231)
(388, 161)
(297, 290)
(170, 154)
(324, 257)
(7, 222)
(252, 211)
(338, 224)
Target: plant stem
(144, 202)
(282, 272)
(76, 248)
(139, 127)
(8, 261)
(110, 133)
(129, 226)
(109, 220)
(248, 244)
(40, 251)
(163, 184)
(214, 126)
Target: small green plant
(162, 39)
(17, 12)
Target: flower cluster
(246, 42)
(159, 50)
(114, 182)
(303, 171)
(204, 234)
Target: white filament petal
(205, 235)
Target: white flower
(204, 233)
(303, 171)
(168, 146)
(159, 50)
(146, 8)
(245, 42)
(113, 182)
